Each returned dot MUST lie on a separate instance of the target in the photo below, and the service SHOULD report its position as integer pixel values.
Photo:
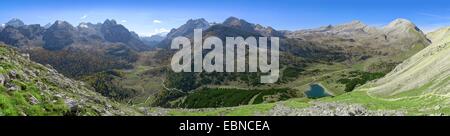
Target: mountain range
(109, 43)
(342, 49)
(395, 62)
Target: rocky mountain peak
(353, 25)
(198, 22)
(59, 35)
(110, 22)
(243, 25)
(401, 25)
(236, 22)
(15, 23)
(61, 24)
(83, 25)
(88, 25)
(114, 32)
(400, 22)
(232, 21)
(189, 27)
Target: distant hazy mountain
(153, 40)
(61, 34)
(109, 43)
(22, 36)
(241, 24)
(48, 25)
(232, 26)
(15, 23)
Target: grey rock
(72, 104)
(33, 100)
(330, 109)
(13, 74)
(2, 79)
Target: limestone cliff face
(28, 89)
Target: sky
(148, 17)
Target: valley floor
(357, 103)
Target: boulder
(2, 79)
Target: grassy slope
(418, 105)
(43, 91)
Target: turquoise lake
(316, 91)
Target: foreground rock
(330, 109)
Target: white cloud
(157, 21)
(160, 31)
(124, 21)
(3, 25)
(84, 17)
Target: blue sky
(153, 16)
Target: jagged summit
(61, 24)
(233, 21)
(110, 22)
(200, 21)
(48, 25)
(188, 27)
(258, 29)
(239, 23)
(351, 26)
(15, 23)
(61, 34)
(83, 25)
